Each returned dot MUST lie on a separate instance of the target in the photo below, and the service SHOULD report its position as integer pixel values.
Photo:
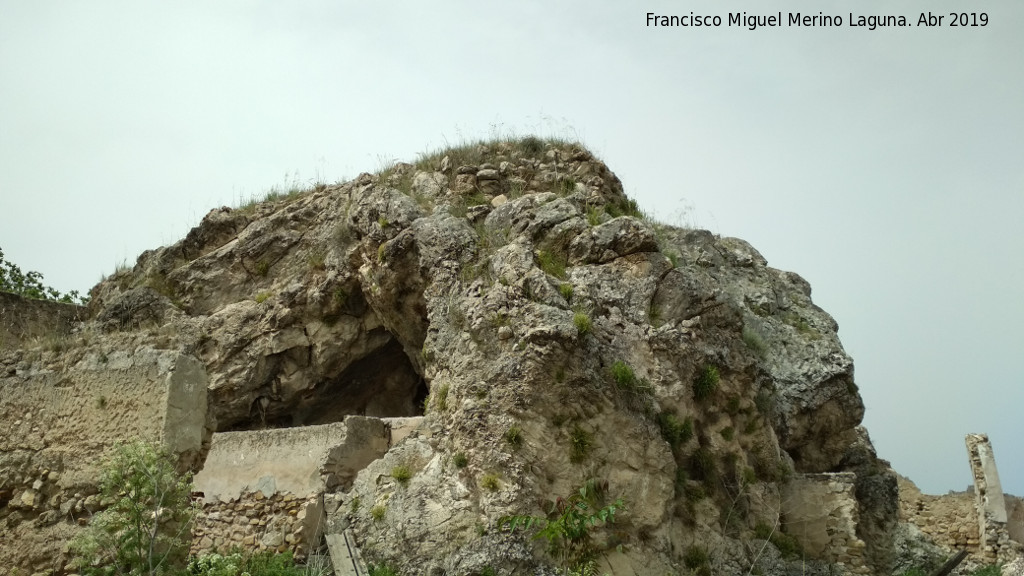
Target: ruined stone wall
(820, 511)
(950, 519)
(59, 423)
(24, 319)
(281, 522)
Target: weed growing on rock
(637, 391)
(552, 263)
(441, 402)
(262, 268)
(354, 504)
(696, 558)
(582, 322)
(706, 383)
(703, 465)
(755, 342)
(377, 512)
(490, 482)
(381, 570)
(728, 433)
(565, 186)
(262, 297)
(674, 431)
(514, 437)
(569, 522)
(460, 460)
(401, 474)
(580, 444)
(565, 289)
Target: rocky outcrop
(564, 340)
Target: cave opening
(384, 384)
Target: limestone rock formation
(552, 334)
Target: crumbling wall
(950, 519)
(61, 422)
(280, 522)
(263, 489)
(23, 319)
(820, 511)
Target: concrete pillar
(988, 493)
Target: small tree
(146, 527)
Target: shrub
(695, 557)
(146, 529)
(442, 398)
(674, 431)
(381, 570)
(580, 443)
(755, 342)
(264, 563)
(623, 375)
(566, 290)
(401, 474)
(514, 436)
(728, 433)
(30, 285)
(989, 570)
(703, 465)
(569, 522)
(706, 383)
(582, 322)
(490, 482)
(378, 511)
(460, 460)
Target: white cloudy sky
(885, 166)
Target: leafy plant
(706, 383)
(240, 563)
(146, 529)
(569, 521)
(30, 285)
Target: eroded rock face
(562, 338)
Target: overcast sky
(884, 166)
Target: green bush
(490, 482)
(580, 443)
(381, 570)
(514, 436)
(30, 285)
(377, 512)
(401, 474)
(582, 322)
(706, 383)
(695, 557)
(460, 460)
(265, 563)
(566, 290)
(674, 431)
(146, 529)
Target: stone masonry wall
(281, 522)
(820, 511)
(59, 423)
(950, 520)
(23, 319)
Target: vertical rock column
(989, 500)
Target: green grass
(676, 432)
(580, 444)
(755, 342)
(582, 323)
(441, 402)
(377, 512)
(401, 474)
(566, 290)
(695, 557)
(460, 460)
(490, 482)
(706, 383)
(552, 263)
(514, 437)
